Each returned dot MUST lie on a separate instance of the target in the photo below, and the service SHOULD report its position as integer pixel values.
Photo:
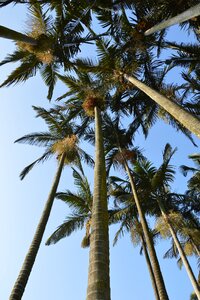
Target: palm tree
(58, 140)
(88, 102)
(49, 45)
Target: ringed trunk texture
(98, 277)
(20, 284)
(186, 15)
(16, 36)
(148, 261)
(152, 253)
(180, 250)
(188, 120)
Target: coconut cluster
(68, 146)
(43, 50)
(86, 240)
(125, 154)
(92, 100)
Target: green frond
(50, 120)
(86, 157)
(72, 223)
(118, 215)
(16, 56)
(39, 21)
(27, 169)
(121, 231)
(49, 75)
(78, 204)
(27, 69)
(83, 186)
(41, 139)
(172, 252)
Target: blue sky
(60, 271)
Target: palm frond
(78, 204)
(72, 223)
(27, 169)
(26, 70)
(49, 74)
(38, 138)
(16, 56)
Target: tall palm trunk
(148, 261)
(186, 15)
(181, 115)
(16, 36)
(29, 260)
(180, 249)
(98, 277)
(152, 253)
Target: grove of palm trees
(110, 91)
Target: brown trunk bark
(20, 284)
(148, 261)
(188, 120)
(98, 277)
(152, 253)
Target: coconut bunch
(125, 155)
(86, 240)
(68, 145)
(43, 50)
(93, 100)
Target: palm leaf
(42, 158)
(14, 57)
(38, 139)
(50, 77)
(26, 70)
(74, 201)
(72, 223)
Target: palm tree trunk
(148, 261)
(20, 284)
(186, 15)
(180, 249)
(98, 277)
(152, 253)
(16, 36)
(181, 115)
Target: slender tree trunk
(148, 261)
(180, 250)
(98, 277)
(180, 114)
(186, 15)
(16, 36)
(29, 260)
(152, 253)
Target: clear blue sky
(60, 271)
